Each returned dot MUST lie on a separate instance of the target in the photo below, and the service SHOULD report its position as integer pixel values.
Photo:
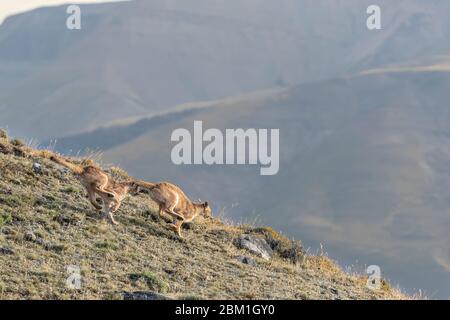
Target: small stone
(144, 295)
(37, 168)
(255, 245)
(48, 245)
(45, 243)
(247, 260)
(6, 251)
(30, 236)
(63, 170)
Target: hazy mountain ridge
(135, 58)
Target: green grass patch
(107, 245)
(5, 218)
(16, 200)
(153, 281)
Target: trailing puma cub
(172, 200)
(97, 182)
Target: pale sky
(10, 7)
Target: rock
(247, 260)
(62, 171)
(18, 151)
(6, 251)
(255, 245)
(48, 245)
(30, 236)
(68, 219)
(144, 295)
(287, 249)
(37, 168)
(334, 291)
(45, 243)
(295, 254)
(5, 148)
(40, 201)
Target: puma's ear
(206, 204)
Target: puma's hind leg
(176, 226)
(179, 219)
(162, 215)
(174, 214)
(100, 189)
(171, 208)
(93, 199)
(161, 211)
(115, 205)
(107, 213)
(111, 218)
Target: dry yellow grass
(47, 225)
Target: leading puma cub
(172, 200)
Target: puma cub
(97, 182)
(172, 200)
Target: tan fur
(172, 200)
(97, 182)
(121, 190)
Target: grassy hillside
(47, 225)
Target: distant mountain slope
(364, 168)
(140, 57)
(50, 233)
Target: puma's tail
(73, 167)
